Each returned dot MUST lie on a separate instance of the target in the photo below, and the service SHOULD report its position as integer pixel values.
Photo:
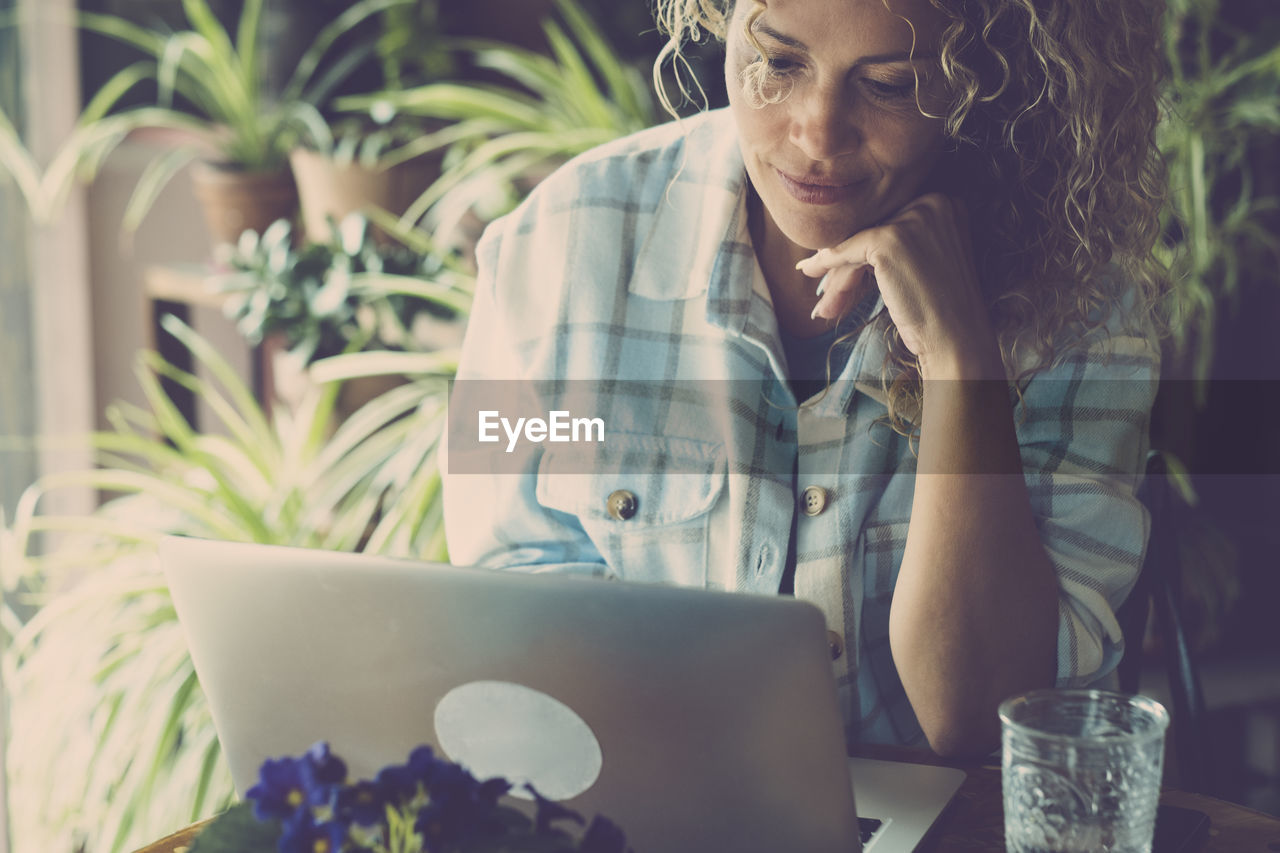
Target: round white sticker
(497, 728)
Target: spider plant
(17, 163)
(553, 108)
(211, 88)
(1224, 97)
(112, 743)
(349, 292)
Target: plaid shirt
(630, 273)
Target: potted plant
(364, 166)
(112, 744)
(1223, 95)
(504, 137)
(1222, 240)
(310, 300)
(427, 803)
(379, 162)
(211, 92)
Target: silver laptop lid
(696, 720)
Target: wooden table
(975, 819)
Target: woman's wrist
(962, 363)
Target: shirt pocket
(662, 489)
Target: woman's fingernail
(808, 263)
(814, 315)
(822, 285)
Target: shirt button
(622, 505)
(813, 500)
(836, 644)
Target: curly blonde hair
(1051, 115)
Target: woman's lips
(822, 191)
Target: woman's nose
(823, 124)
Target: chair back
(1158, 590)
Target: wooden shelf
(188, 284)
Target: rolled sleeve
(493, 519)
(1084, 432)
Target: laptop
(696, 720)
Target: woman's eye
(889, 91)
(780, 64)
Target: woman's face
(848, 145)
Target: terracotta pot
(235, 200)
(327, 188)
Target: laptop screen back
(695, 720)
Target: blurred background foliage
(1216, 408)
(110, 741)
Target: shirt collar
(698, 241)
(703, 216)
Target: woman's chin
(817, 235)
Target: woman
(906, 205)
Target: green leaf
(461, 131)
(204, 22)
(321, 88)
(237, 831)
(503, 158)
(152, 181)
(294, 90)
(460, 101)
(123, 30)
(88, 145)
(374, 363)
(535, 71)
(252, 420)
(247, 43)
(18, 163)
(623, 84)
(429, 290)
(114, 89)
(1258, 110)
(578, 90)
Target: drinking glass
(1081, 771)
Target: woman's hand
(975, 603)
(922, 258)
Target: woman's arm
(975, 610)
(492, 515)
(980, 610)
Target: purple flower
(301, 834)
(439, 826)
(549, 811)
(323, 767)
(491, 790)
(362, 803)
(460, 809)
(281, 790)
(445, 825)
(454, 810)
(287, 784)
(399, 782)
(452, 782)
